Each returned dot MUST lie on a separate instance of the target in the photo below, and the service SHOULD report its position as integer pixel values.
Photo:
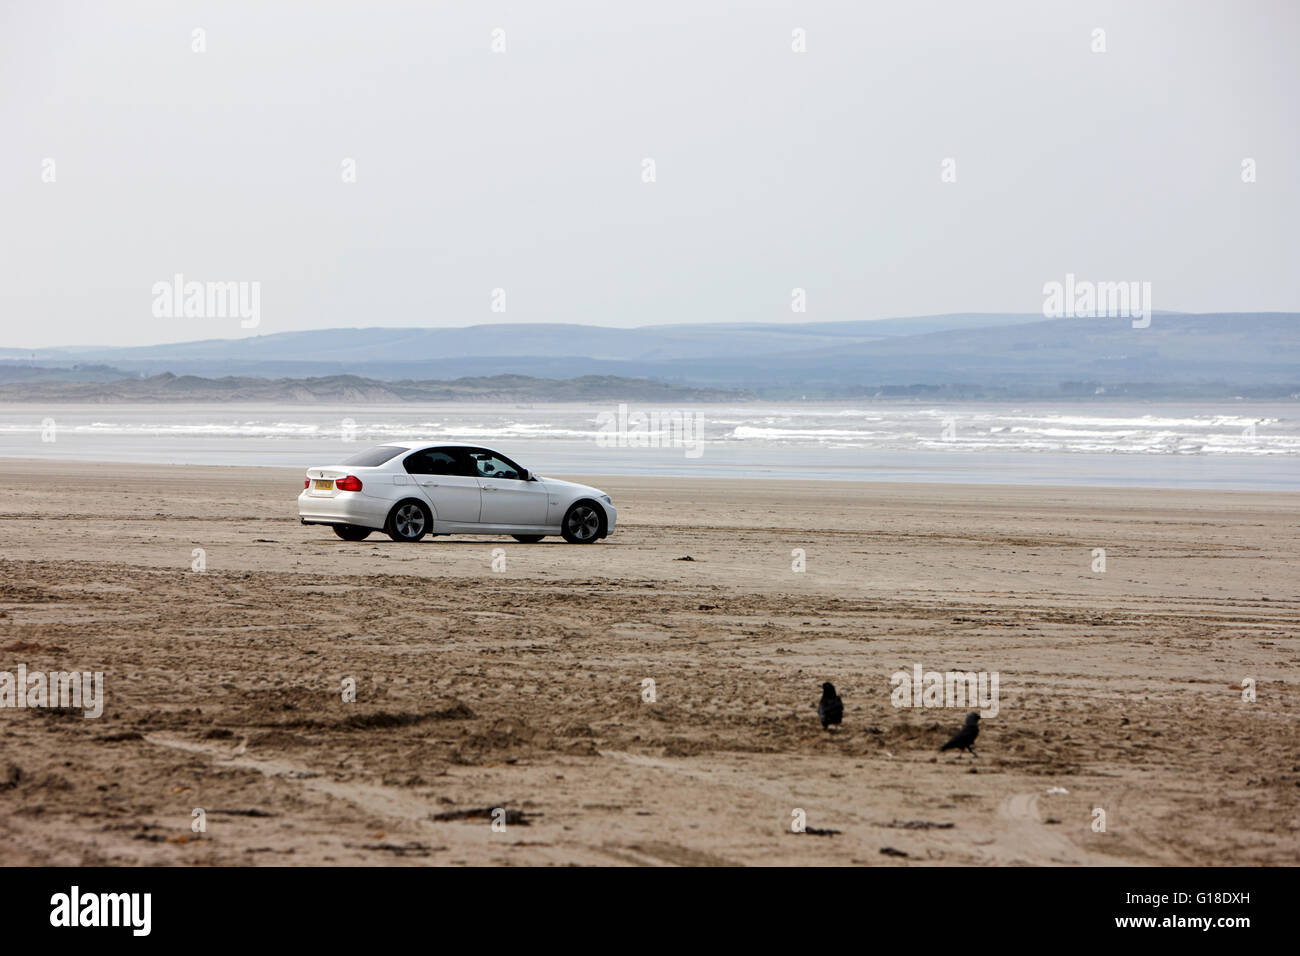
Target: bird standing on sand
(830, 708)
(964, 739)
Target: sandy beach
(522, 689)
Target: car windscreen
(372, 457)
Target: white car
(410, 489)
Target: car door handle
(488, 488)
(429, 484)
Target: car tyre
(408, 521)
(350, 532)
(583, 523)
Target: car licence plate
(323, 484)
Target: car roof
(429, 444)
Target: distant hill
(1231, 350)
(11, 371)
(352, 389)
(379, 346)
(968, 354)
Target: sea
(1228, 445)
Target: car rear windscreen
(374, 456)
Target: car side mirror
(525, 475)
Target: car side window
(436, 461)
(494, 466)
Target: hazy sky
(523, 170)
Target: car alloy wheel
(409, 522)
(581, 524)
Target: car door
(446, 477)
(508, 499)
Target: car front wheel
(409, 521)
(581, 524)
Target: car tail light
(350, 483)
(306, 483)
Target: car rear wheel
(581, 524)
(409, 521)
(528, 538)
(350, 532)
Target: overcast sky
(524, 170)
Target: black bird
(830, 708)
(964, 739)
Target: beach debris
(1052, 790)
(817, 831)
(410, 848)
(476, 813)
(918, 825)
